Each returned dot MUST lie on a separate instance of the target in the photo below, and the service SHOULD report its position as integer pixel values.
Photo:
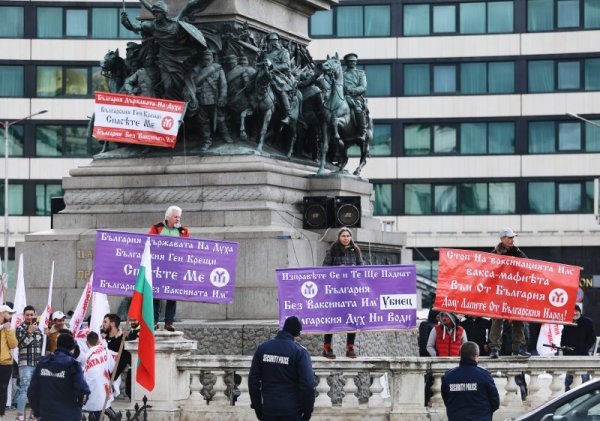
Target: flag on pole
(75, 324)
(142, 309)
(45, 317)
(3, 282)
(100, 308)
(18, 305)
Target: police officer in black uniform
(469, 392)
(281, 380)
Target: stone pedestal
(172, 386)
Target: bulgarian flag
(142, 309)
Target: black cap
(293, 326)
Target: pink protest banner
(492, 285)
(138, 120)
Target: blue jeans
(569, 380)
(25, 373)
(169, 311)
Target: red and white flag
(550, 334)
(76, 322)
(100, 308)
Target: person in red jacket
(446, 338)
(170, 226)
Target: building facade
(471, 104)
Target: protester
(469, 392)
(113, 337)
(97, 367)
(507, 247)
(281, 379)
(446, 338)
(58, 389)
(171, 226)
(580, 337)
(433, 318)
(8, 341)
(342, 252)
(30, 341)
(58, 323)
(477, 329)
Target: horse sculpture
(115, 70)
(339, 129)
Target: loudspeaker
(347, 211)
(317, 212)
(56, 205)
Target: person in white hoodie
(446, 338)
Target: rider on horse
(355, 86)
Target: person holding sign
(507, 247)
(342, 253)
(170, 226)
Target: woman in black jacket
(342, 253)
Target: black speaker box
(317, 212)
(347, 211)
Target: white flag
(79, 315)
(550, 334)
(46, 315)
(100, 308)
(3, 282)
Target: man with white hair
(171, 226)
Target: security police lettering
(277, 359)
(462, 387)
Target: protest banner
(349, 298)
(186, 269)
(505, 287)
(138, 120)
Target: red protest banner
(505, 287)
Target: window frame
(556, 28)
(557, 183)
(63, 141)
(64, 68)
(334, 25)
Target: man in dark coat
(281, 379)
(469, 392)
(477, 329)
(579, 338)
(58, 389)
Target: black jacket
(477, 331)
(580, 336)
(281, 379)
(57, 389)
(469, 393)
(513, 251)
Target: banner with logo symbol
(349, 298)
(136, 119)
(492, 285)
(185, 269)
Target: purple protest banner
(186, 269)
(349, 298)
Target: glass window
(49, 22)
(444, 139)
(43, 194)
(444, 198)
(569, 197)
(49, 81)
(377, 21)
(592, 74)
(382, 140)
(500, 17)
(568, 13)
(11, 81)
(383, 199)
(502, 198)
(48, 141)
(568, 75)
(416, 19)
(417, 139)
(591, 13)
(473, 78)
(105, 22)
(321, 23)
(501, 77)
(77, 23)
(541, 76)
(417, 199)
(541, 197)
(11, 22)
(588, 200)
(379, 79)
(444, 19)
(15, 199)
(76, 81)
(540, 15)
(473, 138)
(444, 79)
(350, 21)
(99, 82)
(592, 137)
(542, 137)
(501, 138)
(75, 140)
(569, 136)
(416, 79)
(472, 18)
(15, 140)
(473, 198)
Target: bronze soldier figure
(283, 81)
(355, 86)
